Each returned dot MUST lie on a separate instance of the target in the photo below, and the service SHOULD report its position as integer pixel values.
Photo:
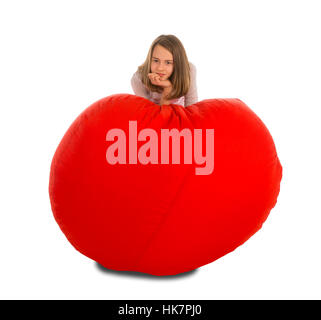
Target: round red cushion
(121, 203)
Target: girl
(166, 76)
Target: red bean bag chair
(163, 189)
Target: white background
(58, 57)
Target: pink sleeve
(192, 96)
(138, 87)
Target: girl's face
(162, 62)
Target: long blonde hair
(180, 77)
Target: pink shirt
(190, 98)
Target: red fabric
(163, 219)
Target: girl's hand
(157, 81)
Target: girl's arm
(138, 86)
(163, 100)
(166, 84)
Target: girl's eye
(168, 62)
